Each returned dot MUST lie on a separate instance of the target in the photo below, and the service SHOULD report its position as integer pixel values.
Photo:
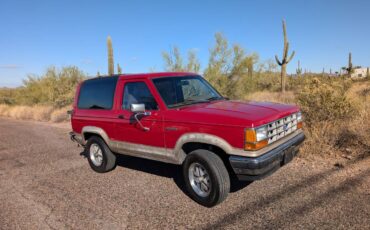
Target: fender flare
(201, 138)
(95, 130)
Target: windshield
(179, 91)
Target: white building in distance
(358, 73)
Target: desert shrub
(323, 102)
(320, 139)
(266, 81)
(343, 135)
(55, 87)
(7, 96)
(338, 138)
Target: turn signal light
(255, 146)
(250, 135)
(300, 125)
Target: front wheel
(206, 177)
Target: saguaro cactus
(350, 68)
(110, 56)
(119, 69)
(299, 69)
(367, 72)
(285, 60)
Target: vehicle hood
(235, 113)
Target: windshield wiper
(215, 98)
(195, 101)
(189, 102)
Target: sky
(35, 35)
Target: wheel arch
(89, 131)
(192, 141)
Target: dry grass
(41, 113)
(59, 115)
(278, 97)
(37, 113)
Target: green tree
(174, 62)
(110, 56)
(227, 67)
(193, 62)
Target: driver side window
(138, 93)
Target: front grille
(281, 128)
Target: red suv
(180, 118)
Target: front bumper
(255, 168)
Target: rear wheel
(100, 158)
(206, 177)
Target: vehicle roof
(150, 75)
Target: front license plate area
(288, 155)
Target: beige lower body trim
(145, 151)
(137, 150)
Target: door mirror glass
(137, 108)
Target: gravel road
(46, 184)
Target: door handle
(121, 116)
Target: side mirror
(137, 108)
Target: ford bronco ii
(180, 118)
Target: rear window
(97, 93)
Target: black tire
(109, 159)
(218, 175)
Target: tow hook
(74, 138)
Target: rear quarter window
(97, 93)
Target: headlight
(299, 116)
(299, 120)
(261, 133)
(256, 138)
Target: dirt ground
(46, 184)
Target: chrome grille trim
(281, 127)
